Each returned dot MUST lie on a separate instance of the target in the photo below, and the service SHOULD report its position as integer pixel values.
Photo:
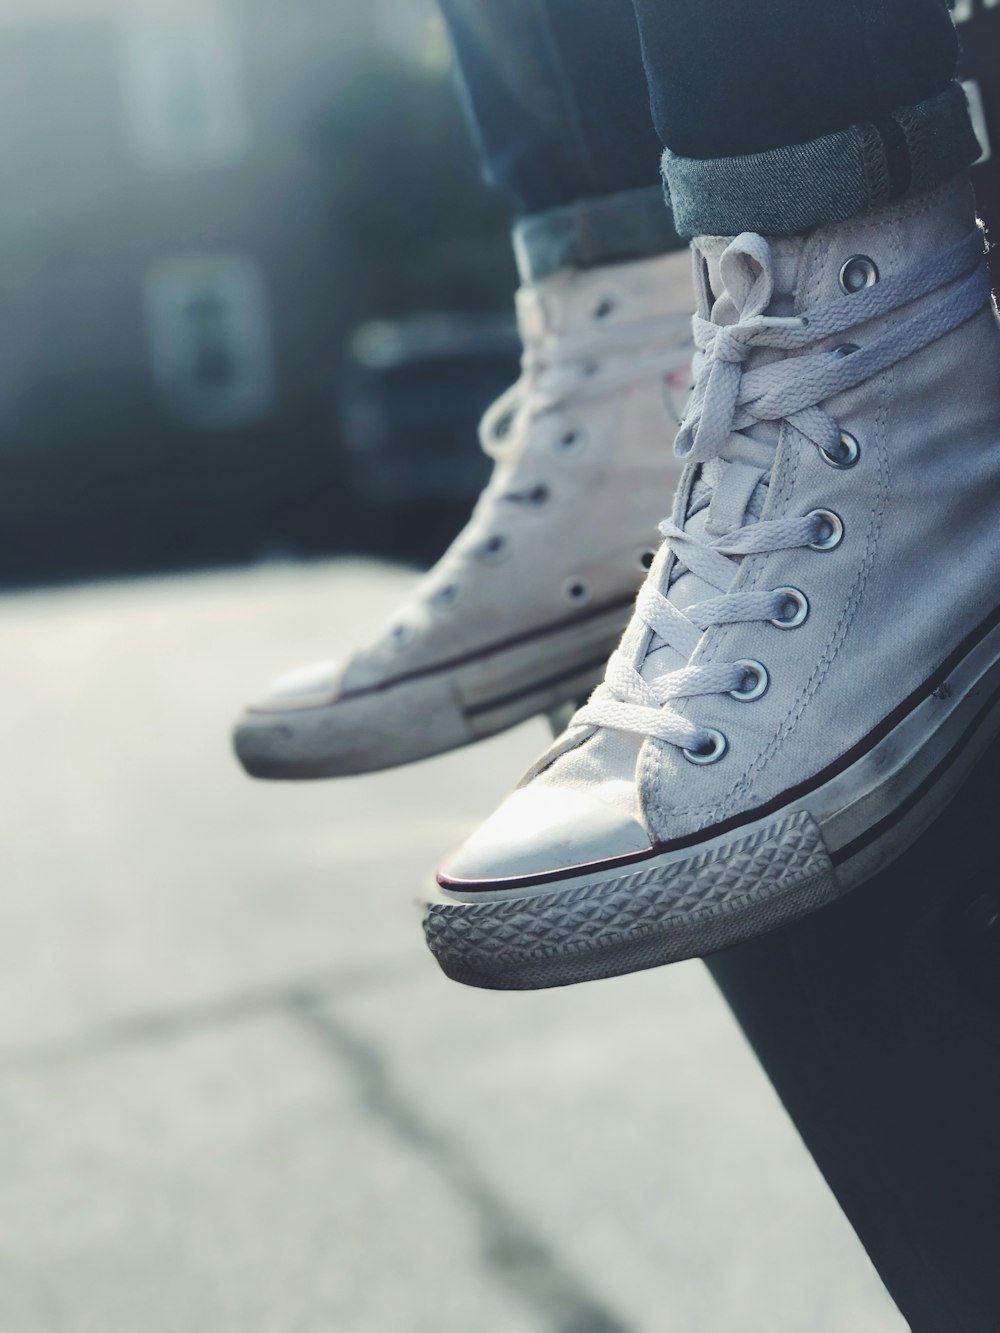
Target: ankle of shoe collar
(609, 229)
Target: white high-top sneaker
(520, 614)
(813, 665)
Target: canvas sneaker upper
(539, 584)
(581, 446)
(833, 539)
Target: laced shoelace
(727, 401)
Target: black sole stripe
(872, 834)
(856, 752)
(513, 697)
(502, 645)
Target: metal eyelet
(447, 597)
(571, 441)
(536, 498)
(859, 272)
(755, 682)
(502, 426)
(710, 753)
(577, 591)
(797, 600)
(401, 635)
(850, 452)
(493, 549)
(834, 526)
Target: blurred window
(183, 92)
(210, 339)
(60, 119)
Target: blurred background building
(203, 202)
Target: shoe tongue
(732, 496)
(730, 491)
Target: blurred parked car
(411, 396)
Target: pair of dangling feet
(812, 664)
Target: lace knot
(731, 343)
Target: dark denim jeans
(781, 114)
(776, 115)
(557, 98)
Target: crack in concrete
(517, 1256)
(513, 1252)
(177, 1021)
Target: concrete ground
(237, 1095)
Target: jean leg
(556, 93)
(783, 115)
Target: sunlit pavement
(235, 1092)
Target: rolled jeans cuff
(838, 176)
(609, 229)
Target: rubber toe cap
(306, 687)
(540, 830)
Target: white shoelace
(727, 401)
